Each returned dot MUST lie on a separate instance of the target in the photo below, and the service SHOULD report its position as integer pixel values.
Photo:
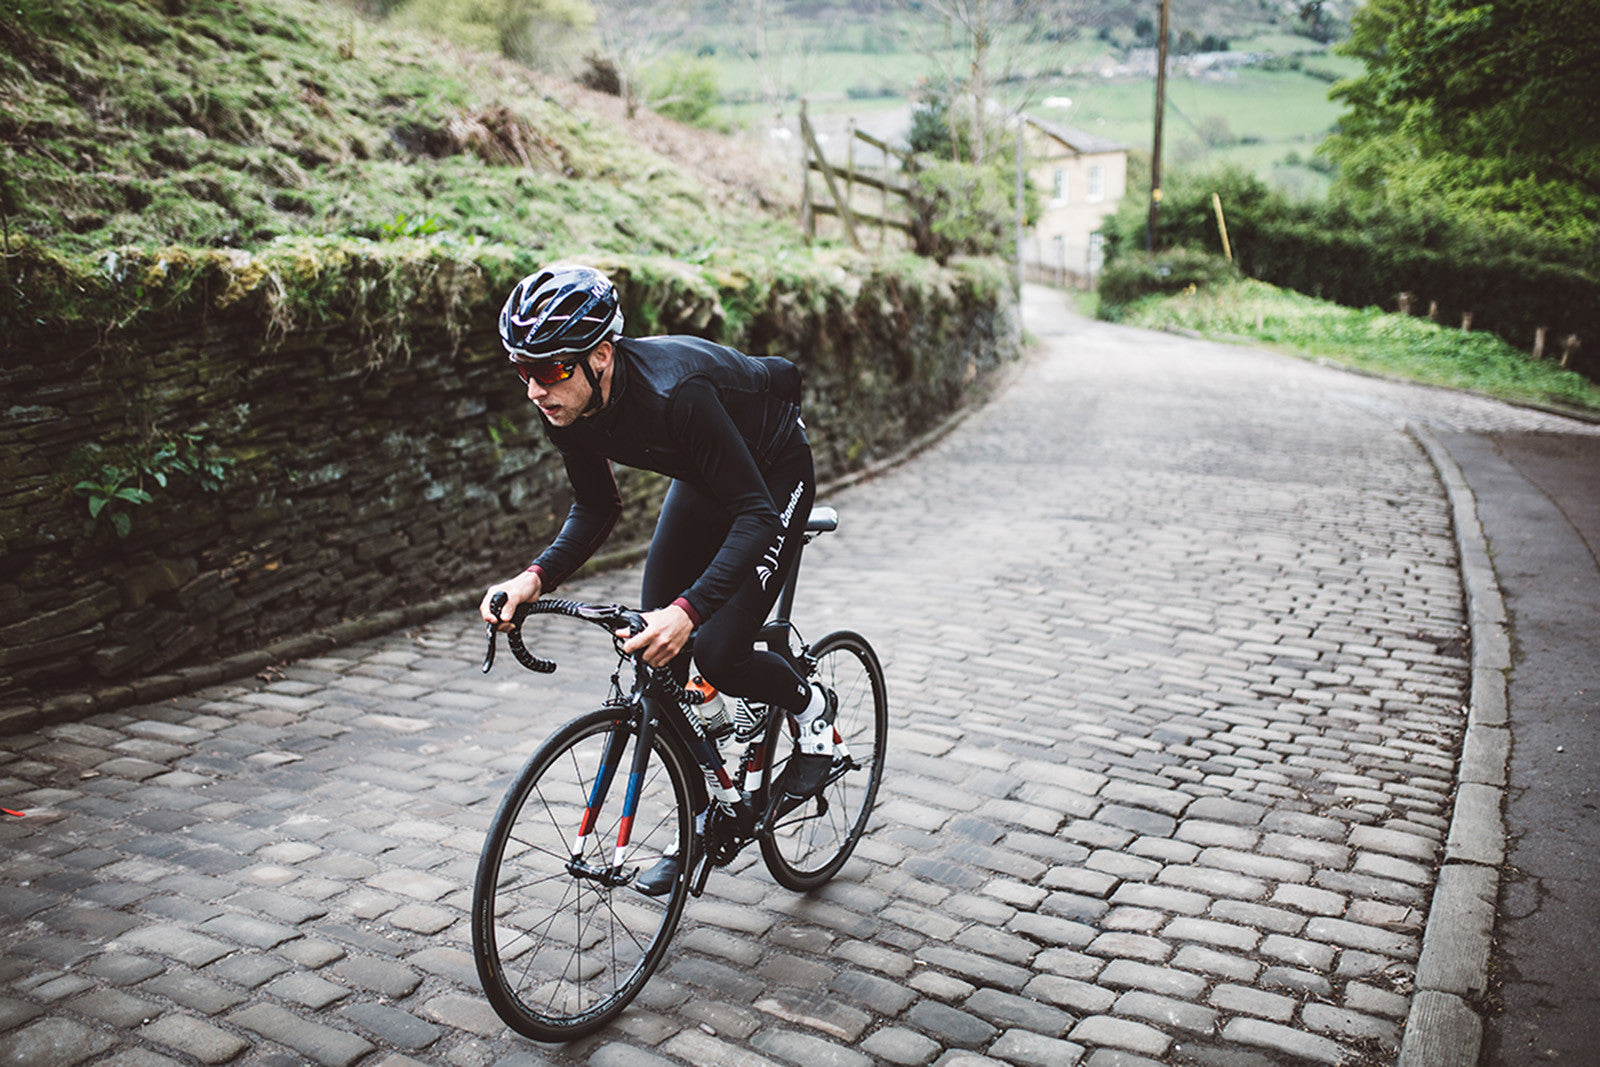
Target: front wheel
(562, 939)
(806, 846)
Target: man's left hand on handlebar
(665, 633)
(524, 588)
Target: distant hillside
(233, 122)
(848, 24)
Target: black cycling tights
(688, 534)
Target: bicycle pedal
(702, 872)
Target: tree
(773, 45)
(634, 35)
(546, 34)
(977, 45)
(932, 133)
(1515, 77)
(1315, 23)
(1474, 105)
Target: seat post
(776, 631)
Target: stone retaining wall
(373, 471)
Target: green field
(1281, 107)
(1266, 121)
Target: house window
(1097, 182)
(1058, 246)
(1097, 252)
(1058, 188)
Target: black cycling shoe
(804, 775)
(658, 880)
(802, 779)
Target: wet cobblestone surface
(1177, 662)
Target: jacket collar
(606, 417)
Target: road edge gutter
(1445, 1025)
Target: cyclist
(726, 428)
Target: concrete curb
(1445, 1028)
(78, 704)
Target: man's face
(562, 402)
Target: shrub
(1513, 282)
(959, 209)
(1139, 274)
(930, 130)
(685, 90)
(601, 74)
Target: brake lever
(496, 604)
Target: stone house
(1080, 178)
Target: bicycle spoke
(562, 948)
(540, 937)
(806, 847)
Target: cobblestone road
(1176, 651)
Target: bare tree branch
(634, 33)
(976, 46)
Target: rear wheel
(805, 847)
(562, 939)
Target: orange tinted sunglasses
(547, 373)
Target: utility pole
(1022, 124)
(1161, 108)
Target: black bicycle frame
(649, 710)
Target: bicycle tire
(807, 846)
(559, 956)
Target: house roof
(1079, 141)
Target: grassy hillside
(1266, 122)
(233, 122)
(229, 123)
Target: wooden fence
(840, 185)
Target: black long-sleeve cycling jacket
(695, 411)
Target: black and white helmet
(563, 310)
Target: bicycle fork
(718, 785)
(614, 874)
(722, 828)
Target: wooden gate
(840, 183)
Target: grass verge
(1369, 340)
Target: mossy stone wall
(382, 461)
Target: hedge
(1329, 251)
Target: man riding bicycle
(726, 428)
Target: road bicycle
(563, 933)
